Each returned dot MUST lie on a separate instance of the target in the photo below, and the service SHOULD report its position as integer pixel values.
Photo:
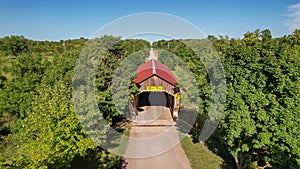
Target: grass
(200, 156)
(217, 148)
(210, 155)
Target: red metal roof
(154, 67)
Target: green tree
(26, 72)
(260, 123)
(14, 45)
(260, 81)
(50, 135)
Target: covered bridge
(157, 87)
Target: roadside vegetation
(261, 119)
(39, 127)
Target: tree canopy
(41, 128)
(260, 124)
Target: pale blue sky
(56, 20)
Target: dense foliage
(260, 124)
(40, 128)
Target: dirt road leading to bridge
(154, 142)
